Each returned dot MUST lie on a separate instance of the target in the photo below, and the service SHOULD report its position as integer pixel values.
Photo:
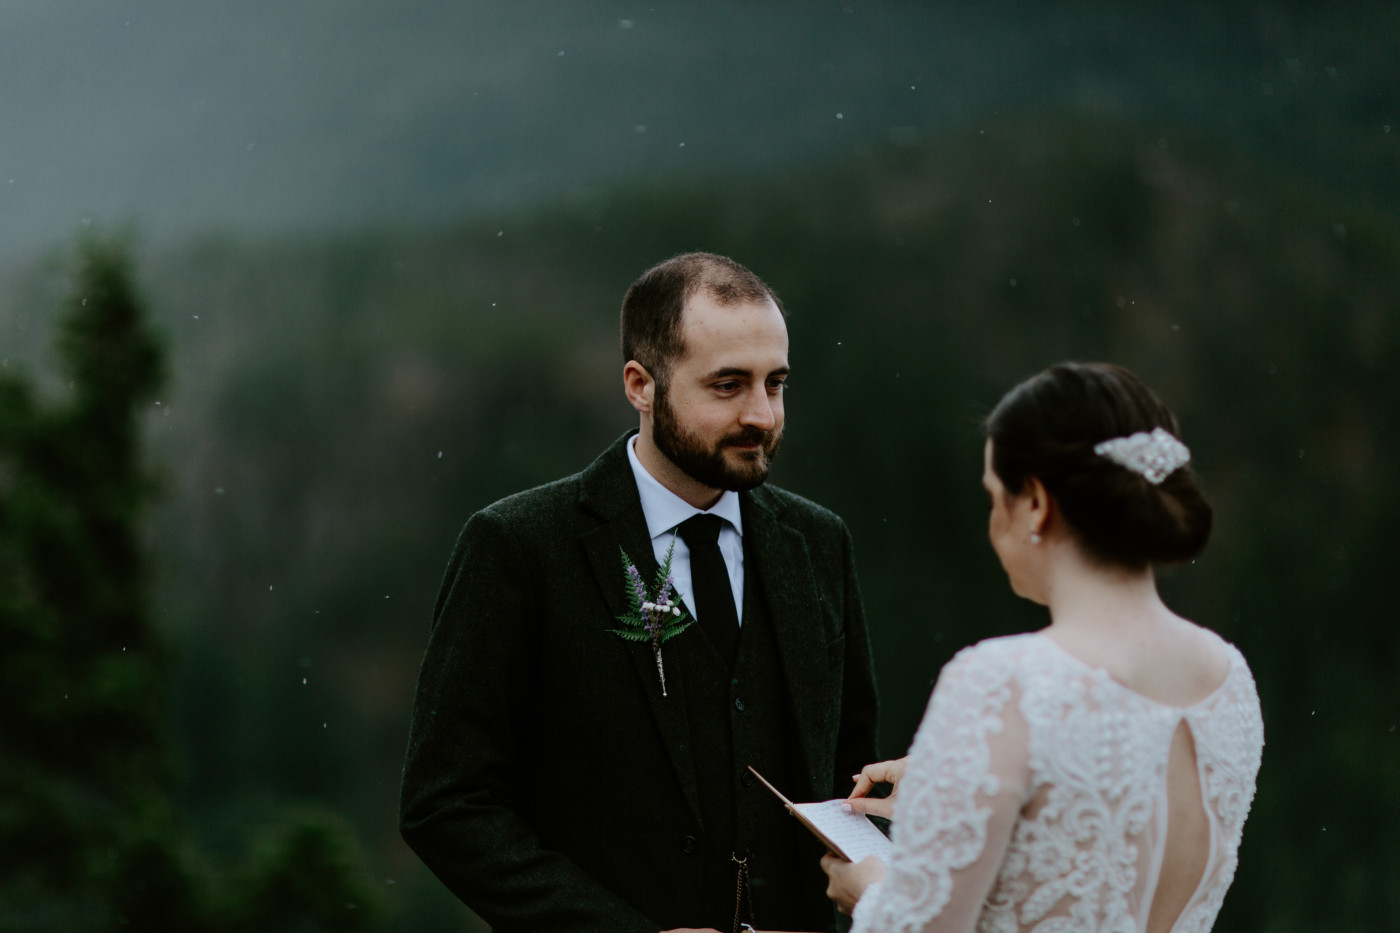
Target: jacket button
(690, 845)
(739, 704)
(746, 779)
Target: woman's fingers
(872, 806)
(881, 772)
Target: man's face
(720, 418)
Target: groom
(550, 783)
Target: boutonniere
(653, 616)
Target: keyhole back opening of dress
(1186, 853)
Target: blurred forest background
(241, 424)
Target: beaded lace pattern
(1035, 798)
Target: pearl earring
(1035, 537)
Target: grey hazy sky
(185, 115)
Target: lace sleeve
(958, 802)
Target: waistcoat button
(690, 845)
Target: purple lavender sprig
(634, 577)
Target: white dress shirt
(664, 510)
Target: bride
(1095, 775)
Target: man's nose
(758, 410)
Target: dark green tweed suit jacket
(548, 783)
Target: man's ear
(639, 386)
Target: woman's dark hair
(1047, 427)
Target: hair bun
(1138, 504)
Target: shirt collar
(664, 510)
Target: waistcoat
(739, 717)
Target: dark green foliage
(86, 746)
(90, 838)
(305, 874)
(340, 410)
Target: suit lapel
(783, 563)
(608, 490)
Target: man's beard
(707, 464)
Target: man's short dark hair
(653, 306)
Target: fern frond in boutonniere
(653, 614)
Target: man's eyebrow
(730, 371)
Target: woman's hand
(882, 772)
(845, 883)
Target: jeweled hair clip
(1154, 456)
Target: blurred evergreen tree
(81, 669)
(89, 836)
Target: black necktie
(713, 596)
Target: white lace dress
(1035, 798)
